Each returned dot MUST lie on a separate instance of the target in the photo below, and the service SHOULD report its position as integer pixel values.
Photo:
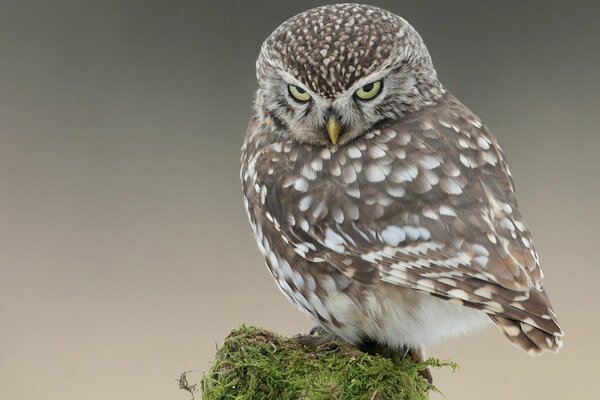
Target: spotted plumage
(405, 230)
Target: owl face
(320, 119)
(329, 75)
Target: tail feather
(528, 337)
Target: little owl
(383, 206)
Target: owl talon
(317, 331)
(418, 355)
(317, 337)
(426, 374)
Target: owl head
(328, 75)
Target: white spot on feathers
(458, 293)
(480, 250)
(412, 232)
(301, 185)
(467, 161)
(317, 164)
(338, 215)
(445, 210)
(304, 224)
(393, 235)
(483, 144)
(450, 186)
(334, 241)
(376, 152)
(354, 152)
(405, 174)
(308, 172)
(396, 191)
(305, 203)
(429, 162)
(429, 213)
(489, 157)
(349, 174)
(374, 173)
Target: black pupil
(368, 87)
(300, 90)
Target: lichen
(255, 364)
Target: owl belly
(398, 316)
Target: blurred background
(125, 253)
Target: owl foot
(316, 337)
(318, 330)
(418, 355)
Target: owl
(384, 207)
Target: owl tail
(528, 337)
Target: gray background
(125, 254)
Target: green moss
(257, 364)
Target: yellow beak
(334, 128)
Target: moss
(257, 364)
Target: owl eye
(298, 93)
(368, 91)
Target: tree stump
(254, 363)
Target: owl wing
(451, 257)
(426, 203)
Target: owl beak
(334, 128)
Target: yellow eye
(368, 91)
(298, 93)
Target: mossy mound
(255, 364)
